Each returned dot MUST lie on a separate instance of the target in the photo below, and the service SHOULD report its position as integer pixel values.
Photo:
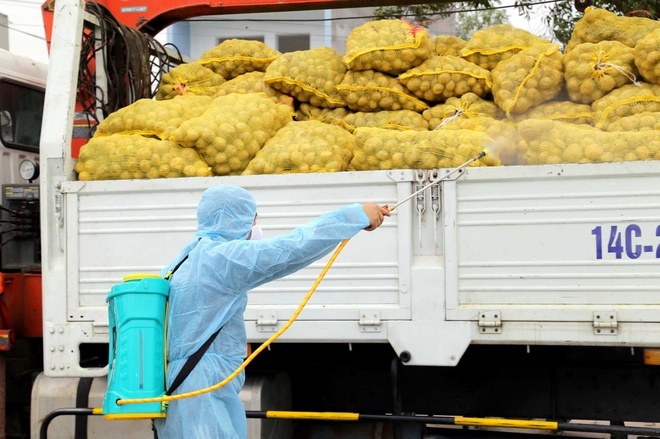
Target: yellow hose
(293, 318)
(247, 361)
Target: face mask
(257, 233)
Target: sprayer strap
(176, 267)
(191, 362)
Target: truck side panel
(114, 228)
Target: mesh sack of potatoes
(645, 121)
(625, 101)
(442, 77)
(498, 42)
(467, 106)
(509, 147)
(234, 57)
(396, 120)
(562, 111)
(232, 130)
(388, 46)
(309, 76)
(253, 82)
(446, 45)
(149, 117)
(591, 70)
(529, 78)
(132, 156)
(308, 146)
(307, 111)
(552, 142)
(598, 25)
(647, 57)
(383, 149)
(369, 90)
(186, 79)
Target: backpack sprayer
(137, 310)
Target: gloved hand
(376, 215)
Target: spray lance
(479, 156)
(136, 374)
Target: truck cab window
(21, 110)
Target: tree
(423, 13)
(563, 15)
(470, 22)
(560, 18)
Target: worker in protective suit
(209, 291)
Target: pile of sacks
(398, 98)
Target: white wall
(204, 35)
(326, 28)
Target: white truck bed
(510, 258)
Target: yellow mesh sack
(309, 76)
(551, 142)
(234, 57)
(467, 106)
(529, 78)
(232, 130)
(388, 46)
(507, 144)
(498, 42)
(396, 120)
(185, 79)
(598, 25)
(645, 121)
(299, 147)
(253, 82)
(383, 149)
(446, 45)
(561, 111)
(307, 111)
(647, 57)
(591, 70)
(369, 90)
(149, 117)
(625, 101)
(442, 77)
(131, 156)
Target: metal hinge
(490, 322)
(267, 321)
(370, 321)
(605, 323)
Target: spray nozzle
(482, 154)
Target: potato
(383, 149)
(232, 130)
(498, 42)
(188, 79)
(299, 147)
(370, 90)
(528, 78)
(310, 76)
(235, 57)
(132, 156)
(387, 46)
(442, 77)
(151, 117)
(591, 70)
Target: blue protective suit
(209, 291)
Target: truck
(22, 90)
(497, 293)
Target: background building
(283, 31)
